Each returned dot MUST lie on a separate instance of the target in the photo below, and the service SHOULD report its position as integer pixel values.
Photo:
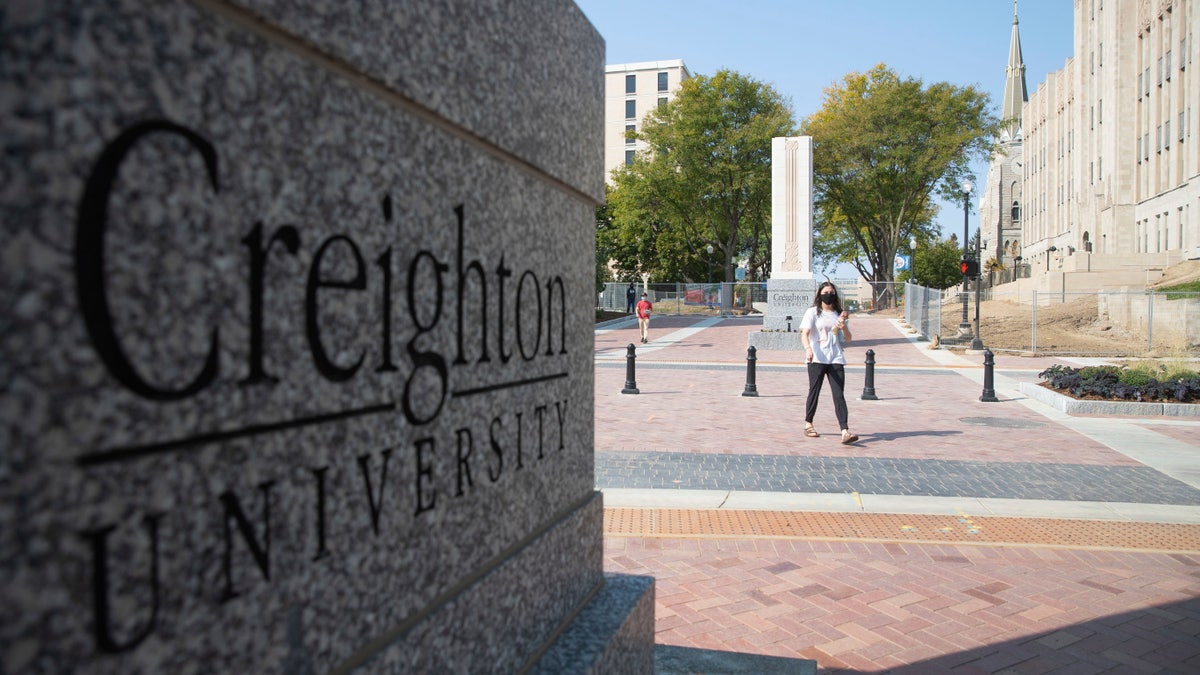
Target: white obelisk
(791, 287)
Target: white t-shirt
(826, 346)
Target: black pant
(836, 373)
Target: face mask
(828, 298)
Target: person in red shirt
(643, 315)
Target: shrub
(1120, 383)
(1101, 374)
(1136, 378)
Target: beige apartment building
(1109, 160)
(630, 91)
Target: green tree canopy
(937, 266)
(705, 180)
(883, 147)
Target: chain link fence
(923, 309)
(679, 298)
(1078, 323)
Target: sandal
(811, 432)
(847, 437)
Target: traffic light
(969, 267)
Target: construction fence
(1092, 323)
(735, 298)
(679, 298)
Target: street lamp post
(924, 297)
(912, 271)
(708, 290)
(976, 343)
(964, 327)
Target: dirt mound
(1179, 273)
(1074, 327)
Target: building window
(1168, 65)
(1100, 112)
(1160, 71)
(1139, 87)
(629, 129)
(1016, 211)
(1183, 53)
(631, 110)
(1139, 150)
(631, 84)
(1180, 126)
(629, 156)
(662, 101)
(662, 81)
(1167, 134)
(1158, 139)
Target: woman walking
(824, 329)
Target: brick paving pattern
(909, 608)
(1121, 598)
(885, 476)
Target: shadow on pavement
(1155, 639)
(671, 660)
(904, 434)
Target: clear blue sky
(800, 47)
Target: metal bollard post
(989, 391)
(869, 379)
(630, 380)
(751, 388)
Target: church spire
(1015, 93)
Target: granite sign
(297, 363)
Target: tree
(937, 266)
(883, 147)
(706, 179)
(603, 246)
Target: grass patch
(1189, 287)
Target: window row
(631, 83)
(631, 107)
(1162, 138)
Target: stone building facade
(1109, 166)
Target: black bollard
(869, 379)
(989, 391)
(630, 380)
(751, 388)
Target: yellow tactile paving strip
(958, 529)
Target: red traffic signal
(969, 267)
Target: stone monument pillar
(285, 389)
(792, 285)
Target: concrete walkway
(1030, 532)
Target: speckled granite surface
(296, 352)
(607, 636)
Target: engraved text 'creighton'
(535, 331)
